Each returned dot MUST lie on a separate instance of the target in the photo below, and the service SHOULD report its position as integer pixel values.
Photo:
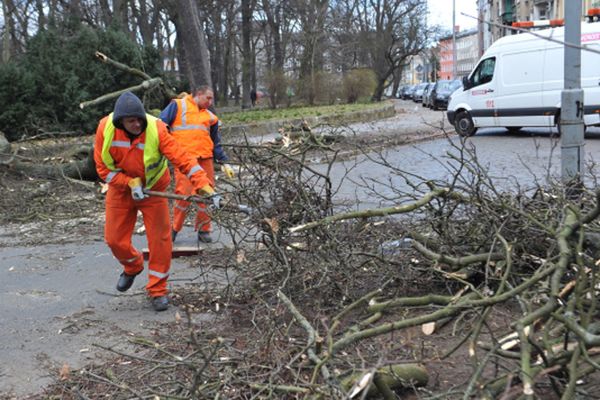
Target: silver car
(418, 93)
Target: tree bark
(9, 42)
(119, 15)
(147, 19)
(84, 169)
(274, 20)
(192, 41)
(247, 8)
(313, 16)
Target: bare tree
(312, 15)
(277, 17)
(393, 30)
(380, 35)
(221, 24)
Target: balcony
(507, 18)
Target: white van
(518, 83)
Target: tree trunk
(84, 169)
(119, 15)
(215, 38)
(192, 42)
(9, 44)
(378, 94)
(246, 52)
(41, 17)
(106, 13)
(146, 19)
(277, 74)
(313, 27)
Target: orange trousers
(185, 187)
(121, 215)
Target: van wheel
(463, 124)
(513, 129)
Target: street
(513, 161)
(60, 300)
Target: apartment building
(415, 70)
(496, 18)
(467, 54)
(500, 14)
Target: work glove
(135, 184)
(211, 195)
(228, 171)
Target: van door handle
(489, 90)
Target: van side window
(484, 72)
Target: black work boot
(125, 282)
(160, 303)
(173, 235)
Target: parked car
(418, 93)
(410, 92)
(440, 94)
(519, 80)
(404, 92)
(426, 93)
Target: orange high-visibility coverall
(184, 186)
(121, 209)
(191, 127)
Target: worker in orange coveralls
(131, 152)
(196, 129)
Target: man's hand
(228, 171)
(206, 190)
(135, 184)
(216, 201)
(210, 193)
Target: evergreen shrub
(42, 88)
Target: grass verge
(265, 114)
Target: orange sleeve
(183, 161)
(117, 179)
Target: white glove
(216, 201)
(137, 192)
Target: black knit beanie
(128, 105)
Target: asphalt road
(519, 161)
(57, 301)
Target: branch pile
(457, 289)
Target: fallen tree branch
(379, 212)
(312, 334)
(456, 261)
(146, 85)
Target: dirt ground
(68, 334)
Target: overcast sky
(440, 13)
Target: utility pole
(454, 68)
(571, 115)
(480, 27)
